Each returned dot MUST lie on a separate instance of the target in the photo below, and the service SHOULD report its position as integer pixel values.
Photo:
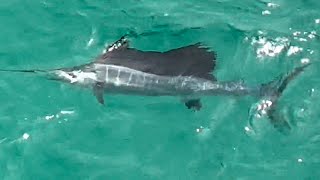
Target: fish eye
(72, 75)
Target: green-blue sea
(54, 130)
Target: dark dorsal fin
(192, 60)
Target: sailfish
(185, 72)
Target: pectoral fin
(194, 104)
(98, 92)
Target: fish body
(123, 80)
(185, 72)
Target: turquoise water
(51, 130)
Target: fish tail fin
(272, 92)
(277, 86)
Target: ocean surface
(53, 130)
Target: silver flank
(120, 79)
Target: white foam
(294, 50)
(305, 60)
(312, 34)
(49, 117)
(297, 33)
(302, 39)
(66, 112)
(266, 12)
(269, 48)
(272, 5)
(25, 136)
